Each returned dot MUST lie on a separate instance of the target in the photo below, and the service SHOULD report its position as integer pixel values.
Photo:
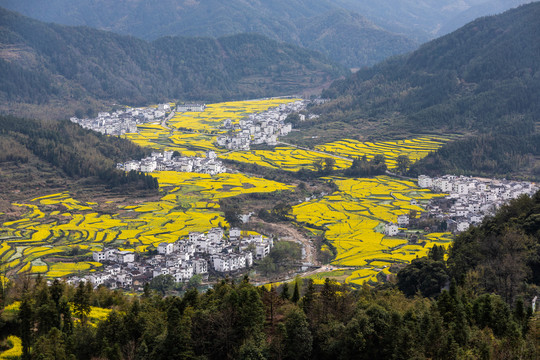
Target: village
(124, 121)
(261, 128)
(468, 202)
(167, 161)
(197, 254)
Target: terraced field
(58, 232)
(415, 149)
(352, 219)
(214, 115)
(55, 226)
(194, 133)
(284, 157)
(343, 152)
(157, 137)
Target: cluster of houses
(196, 254)
(123, 121)
(259, 129)
(190, 107)
(469, 200)
(167, 162)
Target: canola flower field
(415, 149)
(194, 133)
(214, 115)
(44, 239)
(343, 152)
(352, 219)
(157, 137)
(284, 158)
(56, 226)
(15, 351)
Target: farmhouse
(391, 229)
(191, 107)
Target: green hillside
(37, 156)
(481, 79)
(43, 63)
(282, 20)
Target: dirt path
(288, 232)
(165, 120)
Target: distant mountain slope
(467, 79)
(415, 21)
(363, 43)
(41, 62)
(482, 78)
(424, 20)
(350, 39)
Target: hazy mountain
(426, 19)
(483, 78)
(41, 62)
(415, 21)
(281, 20)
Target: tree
(296, 293)
(309, 297)
(177, 342)
(252, 349)
(162, 283)
(329, 164)
(425, 275)
(436, 253)
(378, 159)
(51, 346)
(195, 281)
(402, 164)
(232, 215)
(285, 292)
(27, 325)
(282, 211)
(81, 303)
(298, 340)
(318, 164)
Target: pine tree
(285, 292)
(296, 293)
(26, 326)
(81, 303)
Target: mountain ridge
(41, 62)
(280, 20)
(482, 80)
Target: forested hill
(282, 20)
(42, 62)
(59, 156)
(482, 78)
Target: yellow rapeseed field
(284, 158)
(189, 202)
(194, 133)
(15, 351)
(415, 149)
(353, 217)
(214, 115)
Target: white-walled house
(403, 220)
(165, 248)
(391, 229)
(235, 233)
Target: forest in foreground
(473, 304)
